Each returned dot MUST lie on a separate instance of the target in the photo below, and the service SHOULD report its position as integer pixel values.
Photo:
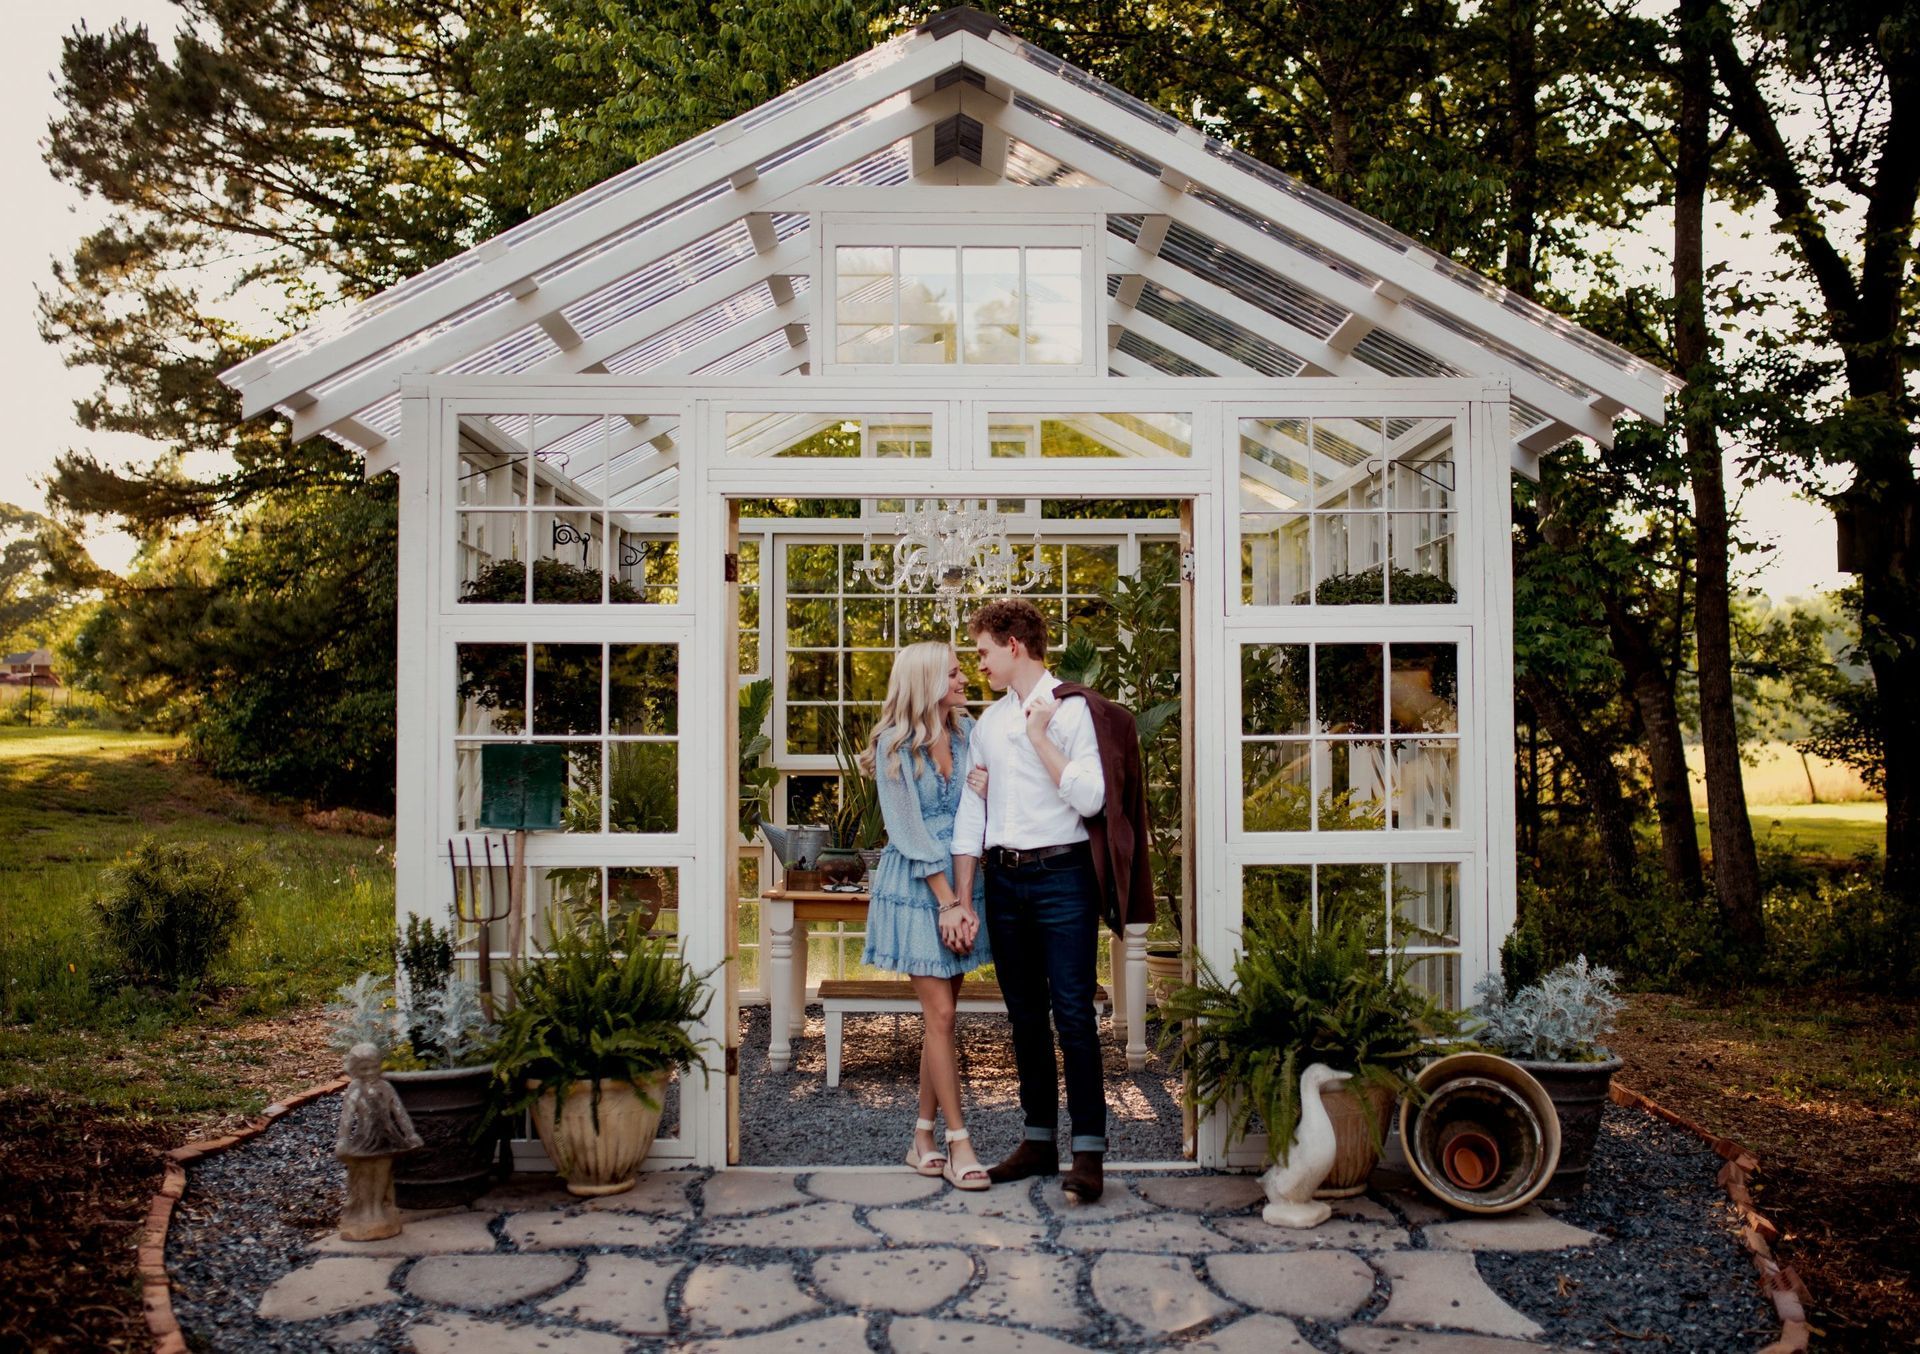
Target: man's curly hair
(1009, 619)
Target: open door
(1190, 1124)
(731, 650)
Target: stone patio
(849, 1260)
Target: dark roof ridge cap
(962, 19)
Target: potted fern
(1551, 1024)
(598, 1026)
(432, 1034)
(1301, 994)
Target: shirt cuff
(1082, 789)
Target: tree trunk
(1650, 684)
(1523, 144)
(1599, 778)
(1736, 870)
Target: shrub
(170, 910)
(1560, 1018)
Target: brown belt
(1007, 858)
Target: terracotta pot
(1486, 1139)
(603, 1160)
(454, 1165)
(1354, 1155)
(1579, 1094)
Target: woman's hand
(977, 781)
(958, 928)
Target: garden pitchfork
(467, 905)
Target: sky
(42, 219)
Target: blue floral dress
(903, 916)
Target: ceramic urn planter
(603, 1159)
(1355, 1156)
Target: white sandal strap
(957, 1134)
(924, 1126)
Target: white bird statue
(1291, 1181)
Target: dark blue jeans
(1044, 922)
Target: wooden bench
(867, 996)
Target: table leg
(1117, 986)
(798, 1012)
(1136, 981)
(779, 984)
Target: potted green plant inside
(859, 830)
(1302, 994)
(432, 1034)
(1551, 1024)
(598, 1026)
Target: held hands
(958, 927)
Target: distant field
(1775, 774)
(1836, 831)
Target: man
(1044, 780)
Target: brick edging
(1781, 1283)
(156, 1291)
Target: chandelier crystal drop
(953, 550)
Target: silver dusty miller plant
(451, 1017)
(1560, 1019)
(364, 1014)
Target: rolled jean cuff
(1086, 1143)
(1036, 1134)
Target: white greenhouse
(646, 440)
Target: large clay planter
(454, 1164)
(1354, 1155)
(1164, 970)
(603, 1160)
(1579, 1093)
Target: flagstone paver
(1340, 1234)
(1257, 1334)
(732, 1298)
(813, 1226)
(548, 1230)
(1039, 1290)
(452, 1333)
(894, 1281)
(1117, 1200)
(1157, 1232)
(1002, 1201)
(871, 1189)
(829, 1335)
(1159, 1292)
(626, 1292)
(1362, 1209)
(1203, 1193)
(328, 1287)
(661, 1192)
(488, 1281)
(352, 1332)
(1318, 1285)
(932, 1227)
(733, 1192)
(1528, 1230)
(1444, 1288)
(1417, 1208)
(435, 1236)
(524, 1192)
(926, 1335)
(1373, 1340)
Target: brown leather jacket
(1118, 833)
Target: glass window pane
(1347, 688)
(560, 895)
(467, 787)
(646, 558)
(1426, 785)
(643, 790)
(813, 675)
(1423, 559)
(810, 798)
(868, 674)
(1274, 455)
(1349, 455)
(1426, 904)
(1274, 558)
(492, 469)
(863, 304)
(1425, 687)
(567, 569)
(1354, 779)
(812, 569)
(492, 556)
(1438, 975)
(580, 809)
(570, 458)
(1274, 689)
(1055, 318)
(810, 728)
(813, 622)
(870, 623)
(1424, 480)
(566, 688)
(493, 688)
(1352, 891)
(928, 295)
(990, 292)
(1277, 786)
(1348, 548)
(643, 688)
(650, 891)
(1273, 893)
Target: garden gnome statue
(374, 1129)
(1291, 1181)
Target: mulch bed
(1837, 1177)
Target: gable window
(915, 296)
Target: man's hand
(958, 928)
(1039, 715)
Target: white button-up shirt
(1023, 808)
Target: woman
(915, 923)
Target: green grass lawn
(1834, 831)
(71, 803)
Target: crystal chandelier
(953, 550)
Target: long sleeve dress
(903, 916)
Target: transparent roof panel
(1223, 336)
(1160, 359)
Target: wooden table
(789, 913)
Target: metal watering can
(799, 848)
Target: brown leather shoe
(1029, 1159)
(1086, 1180)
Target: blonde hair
(915, 689)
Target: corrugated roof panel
(516, 352)
(1086, 134)
(1169, 363)
(1505, 351)
(1035, 168)
(1207, 258)
(659, 281)
(1221, 335)
(1394, 356)
(888, 165)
